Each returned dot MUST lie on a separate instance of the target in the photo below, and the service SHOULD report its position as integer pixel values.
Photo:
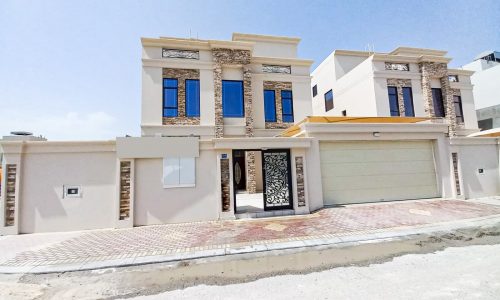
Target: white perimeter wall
(42, 206)
(483, 154)
(157, 205)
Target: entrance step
(266, 214)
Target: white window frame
(182, 171)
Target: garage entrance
(371, 171)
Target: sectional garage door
(357, 172)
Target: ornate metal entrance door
(277, 179)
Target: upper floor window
(270, 105)
(393, 101)
(192, 97)
(170, 103)
(408, 102)
(232, 99)
(329, 100)
(457, 102)
(453, 78)
(315, 90)
(437, 100)
(287, 106)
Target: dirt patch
(126, 282)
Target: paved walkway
(39, 253)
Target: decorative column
(225, 182)
(251, 172)
(10, 194)
(449, 105)
(427, 90)
(125, 189)
(219, 118)
(247, 88)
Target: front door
(277, 179)
(239, 170)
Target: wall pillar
(125, 192)
(251, 172)
(11, 188)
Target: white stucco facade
(359, 82)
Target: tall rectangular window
(457, 102)
(270, 105)
(287, 106)
(408, 102)
(437, 99)
(170, 87)
(329, 100)
(232, 99)
(315, 90)
(393, 101)
(192, 98)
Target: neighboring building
(227, 132)
(486, 82)
(409, 82)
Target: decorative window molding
(397, 66)
(453, 78)
(177, 53)
(276, 69)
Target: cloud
(65, 126)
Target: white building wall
(151, 104)
(486, 83)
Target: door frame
(232, 171)
(289, 171)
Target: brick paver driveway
(101, 245)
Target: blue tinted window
(408, 101)
(459, 114)
(329, 100)
(170, 97)
(270, 105)
(232, 99)
(287, 106)
(393, 101)
(437, 99)
(192, 98)
(170, 83)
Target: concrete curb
(341, 240)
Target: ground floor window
(179, 172)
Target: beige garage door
(357, 172)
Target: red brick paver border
(101, 245)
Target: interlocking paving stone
(332, 224)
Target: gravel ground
(471, 272)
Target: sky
(71, 70)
